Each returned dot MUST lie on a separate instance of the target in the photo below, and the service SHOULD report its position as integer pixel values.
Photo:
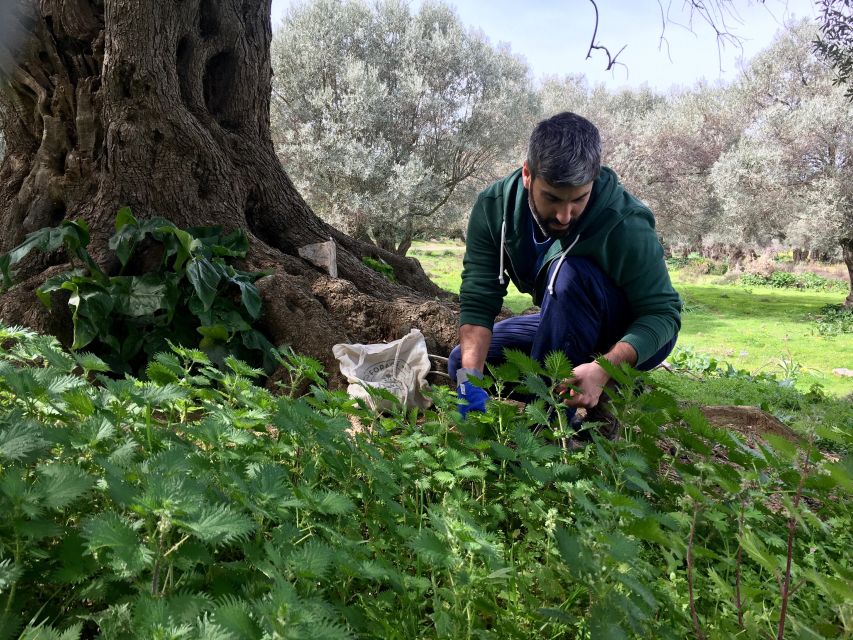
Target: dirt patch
(749, 421)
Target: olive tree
(164, 107)
(790, 177)
(388, 119)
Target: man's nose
(564, 213)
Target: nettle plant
(196, 504)
(193, 297)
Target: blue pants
(584, 318)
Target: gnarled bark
(164, 107)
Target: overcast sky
(554, 36)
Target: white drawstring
(560, 264)
(503, 242)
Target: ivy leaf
(92, 308)
(55, 284)
(138, 296)
(204, 277)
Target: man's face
(555, 208)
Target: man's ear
(526, 177)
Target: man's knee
(574, 275)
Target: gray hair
(565, 150)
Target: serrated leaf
(19, 440)
(311, 560)
(233, 615)
(557, 366)
(431, 549)
(333, 504)
(219, 525)
(9, 574)
(43, 632)
(444, 477)
(109, 532)
(61, 484)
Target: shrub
(787, 280)
(833, 320)
(194, 297)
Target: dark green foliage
(198, 505)
(194, 297)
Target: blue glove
(474, 397)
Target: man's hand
(589, 379)
(474, 398)
(471, 397)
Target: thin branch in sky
(611, 61)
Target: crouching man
(564, 229)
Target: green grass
(765, 329)
(443, 264)
(760, 329)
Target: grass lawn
(756, 329)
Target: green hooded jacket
(616, 231)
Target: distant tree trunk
(799, 255)
(164, 106)
(847, 254)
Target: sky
(553, 36)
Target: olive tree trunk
(163, 106)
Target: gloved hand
(474, 397)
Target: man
(565, 230)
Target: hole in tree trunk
(125, 77)
(208, 21)
(184, 57)
(219, 76)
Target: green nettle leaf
(333, 503)
(9, 574)
(90, 362)
(110, 532)
(19, 439)
(525, 364)
(42, 632)
(204, 277)
(311, 560)
(61, 484)
(432, 549)
(232, 614)
(219, 525)
(557, 366)
(572, 551)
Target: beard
(549, 228)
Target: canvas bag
(400, 367)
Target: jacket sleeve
(640, 271)
(481, 294)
